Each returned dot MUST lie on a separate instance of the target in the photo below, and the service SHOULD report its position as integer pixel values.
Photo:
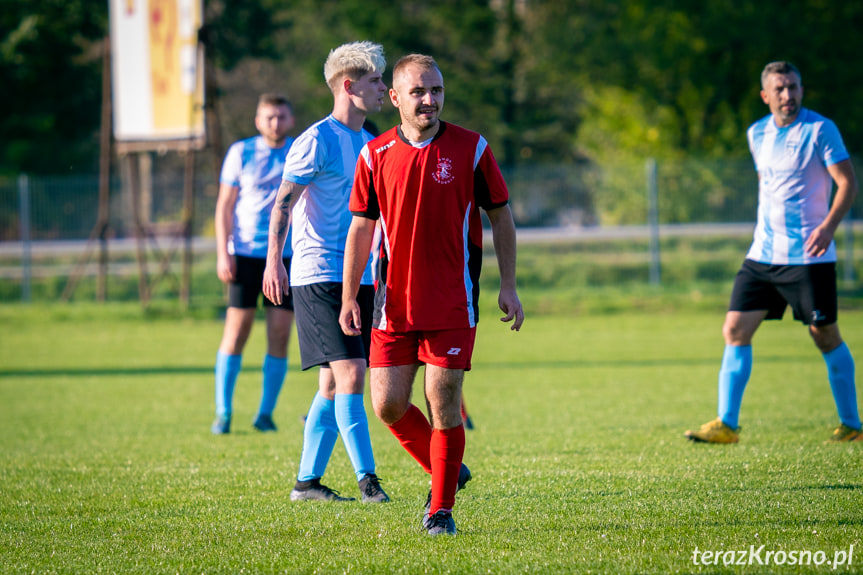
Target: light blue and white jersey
(256, 169)
(794, 186)
(323, 158)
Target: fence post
(24, 225)
(653, 220)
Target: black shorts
(810, 290)
(318, 331)
(243, 292)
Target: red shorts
(448, 348)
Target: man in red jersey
(425, 180)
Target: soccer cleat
(370, 487)
(845, 433)
(315, 491)
(221, 426)
(713, 432)
(441, 523)
(463, 477)
(264, 423)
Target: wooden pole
(188, 228)
(140, 232)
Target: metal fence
(66, 207)
(550, 203)
(688, 192)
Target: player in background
(251, 175)
(799, 154)
(313, 199)
(425, 180)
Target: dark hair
(779, 67)
(272, 99)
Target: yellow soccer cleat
(845, 433)
(713, 432)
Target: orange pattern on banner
(173, 107)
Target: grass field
(579, 461)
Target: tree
(50, 67)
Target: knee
(388, 411)
(280, 339)
(734, 334)
(826, 338)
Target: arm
(846, 190)
(503, 233)
(275, 274)
(226, 265)
(357, 248)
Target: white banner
(157, 70)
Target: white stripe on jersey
(323, 158)
(468, 282)
(256, 169)
(794, 185)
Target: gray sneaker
(314, 491)
(463, 477)
(221, 426)
(441, 523)
(370, 487)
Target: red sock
(415, 434)
(447, 452)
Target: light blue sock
(354, 427)
(227, 370)
(275, 369)
(733, 377)
(319, 438)
(840, 371)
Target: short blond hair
(423, 61)
(353, 60)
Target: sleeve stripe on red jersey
(481, 145)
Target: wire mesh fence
(689, 192)
(53, 215)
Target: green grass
(578, 457)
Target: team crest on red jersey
(444, 172)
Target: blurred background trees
(552, 84)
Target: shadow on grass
(517, 365)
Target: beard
(789, 109)
(423, 121)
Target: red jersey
(427, 199)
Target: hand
(276, 282)
(509, 304)
(349, 318)
(818, 242)
(226, 267)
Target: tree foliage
(50, 71)
(546, 81)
